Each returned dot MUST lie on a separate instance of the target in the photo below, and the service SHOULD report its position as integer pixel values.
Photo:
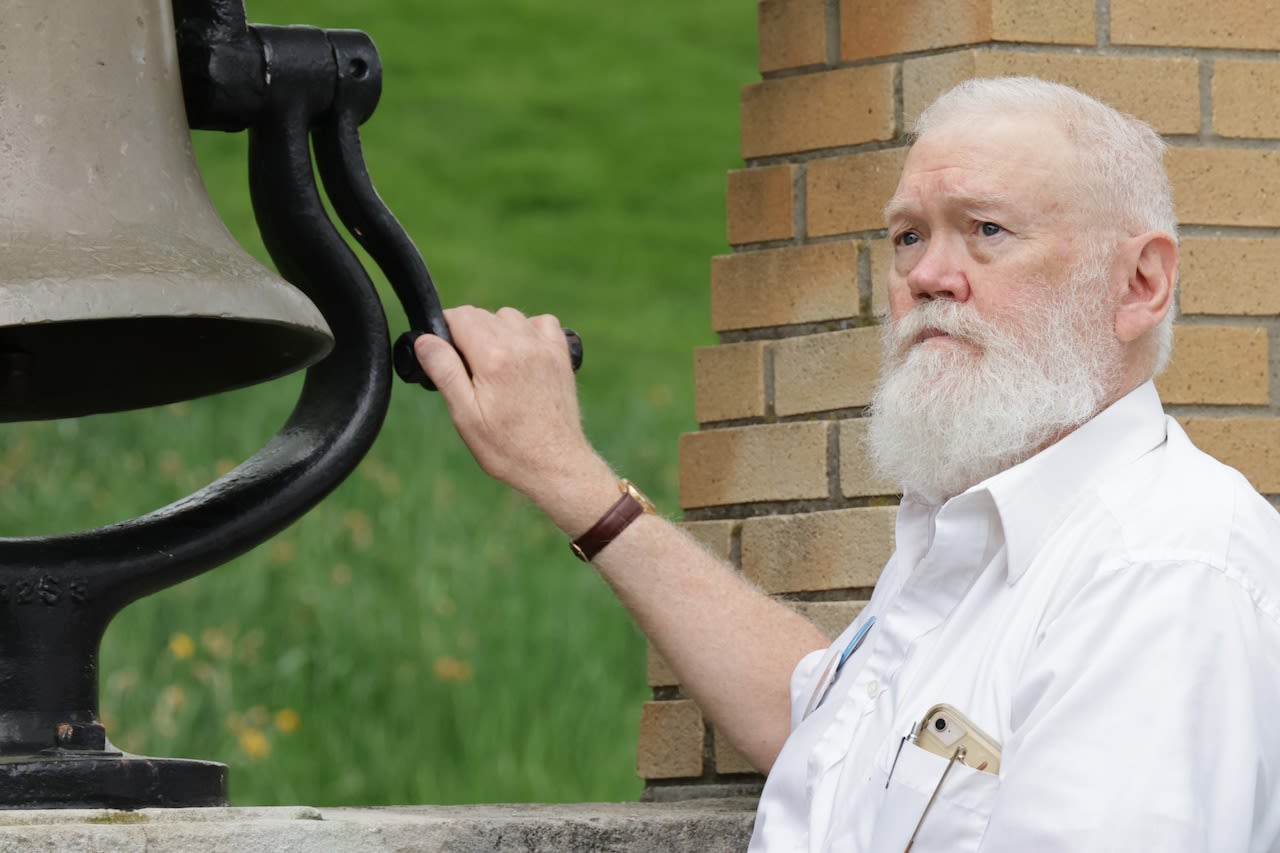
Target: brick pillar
(775, 481)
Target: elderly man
(1071, 575)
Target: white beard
(949, 414)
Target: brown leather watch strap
(627, 509)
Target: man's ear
(1151, 267)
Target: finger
(512, 315)
(444, 366)
(548, 326)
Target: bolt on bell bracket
(58, 593)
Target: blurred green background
(423, 636)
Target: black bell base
(109, 780)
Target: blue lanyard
(828, 679)
(855, 643)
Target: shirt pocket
(958, 817)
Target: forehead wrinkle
(899, 207)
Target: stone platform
(704, 825)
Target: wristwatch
(628, 508)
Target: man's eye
(907, 238)
(989, 229)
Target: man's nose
(939, 274)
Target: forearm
(732, 647)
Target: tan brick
(858, 477)
(831, 617)
(671, 737)
(811, 111)
(1121, 81)
(1230, 275)
(821, 550)
(924, 79)
(1214, 186)
(793, 33)
(779, 287)
(658, 671)
(871, 28)
(848, 193)
(729, 381)
(881, 266)
(1239, 88)
(715, 536)
(728, 759)
(1221, 365)
(1044, 21)
(832, 370)
(1250, 445)
(760, 204)
(1244, 24)
(770, 462)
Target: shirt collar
(1033, 498)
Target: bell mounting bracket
(291, 88)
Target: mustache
(939, 316)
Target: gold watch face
(639, 496)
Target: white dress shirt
(1109, 611)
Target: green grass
(425, 633)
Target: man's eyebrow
(896, 208)
(900, 208)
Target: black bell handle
(340, 161)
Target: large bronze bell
(119, 286)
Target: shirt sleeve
(1146, 718)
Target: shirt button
(873, 688)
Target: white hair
(1122, 174)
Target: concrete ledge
(706, 825)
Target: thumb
(444, 366)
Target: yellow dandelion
(287, 721)
(224, 466)
(389, 483)
(124, 679)
(181, 646)
(203, 671)
(170, 464)
(216, 641)
(283, 550)
(174, 697)
(341, 574)
(254, 744)
(359, 527)
(451, 669)
(132, 741)
(386, 479)
(251, 645)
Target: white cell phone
(944, 730)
